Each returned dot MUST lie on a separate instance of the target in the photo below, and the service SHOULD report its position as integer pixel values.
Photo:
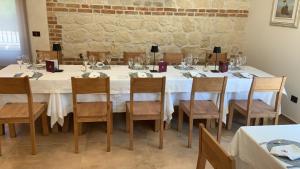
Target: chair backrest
(147, 85)
(210, 149)
(90, 85)
(267, 84)
(19, 85)
(97, 55)
(209, 84)
(47, 55)
(129, 55)
(173, 58)
(211, 58)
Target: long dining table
(56, 90)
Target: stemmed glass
(196, 60)
(20, 62)
(231, 62)
(108, 59)
(130, 63)
(92, 62)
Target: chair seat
(145, 108)
(201, 109)
(19, 111)
(258, 108)
(92, 109)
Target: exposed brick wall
(55, 30)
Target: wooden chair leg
(108, 133)
(45, 126)
(190, 132)
(201, 162)
(207, 125)
(130, 132)
(180, 119)
(80, 129)
(0, 148)
(2, 130)
(161, 134)
(230, 117)
(12, 130)
(76, 144)
(111, 122)
(33, 141)
(219, 134)
(213, 123)
(127, 120)
(65, 127)
(156, 125)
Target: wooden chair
(145, 110)
(210, 149)
(97, 55)
(29, 112)
(254, 108)
(129, 55)
(173, 58)
(91, 111)
(211, 58)
(203, 109)
(47, 55)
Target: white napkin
(94, 75)
(99, 64)
(29, 74)
(246, 75)
(291, 151)
(141, 74)
(195, 74)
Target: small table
(249, 146)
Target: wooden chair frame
(173, 58)
(22, 86)
(95, 86)
(128, 55)
(215, 85)
(210, 149)
(145, 85)
(260, 84)
(52, 55)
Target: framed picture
(285, 13)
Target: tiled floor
(56, 150)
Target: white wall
(37, 21)
(275, 50)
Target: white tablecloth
(55, 88)
(249, 149)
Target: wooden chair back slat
(267, 84)
(211, 58)
(10, 85)
(173, 58)
(90, 85)
(210, 149)
(47, 55)
(97, 55)
(208, 84)
(147, 85)
(129, 55)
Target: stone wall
(193, 26)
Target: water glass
(20, 62)
(130, 62)
(108, 59)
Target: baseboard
(287, 119)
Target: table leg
(12, 130)
(65, 127)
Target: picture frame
(285, 13)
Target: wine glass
(244, 58)
(20, 62)
(92, 62)
(231, 62)
(130, 63)
(196, 60)
(108, 59)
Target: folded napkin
(141, 74)
(291, 151)
(100, 64)
(29, 74)
(246, 75)
(195, 74)
(94, 75)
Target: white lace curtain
(13, 31)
